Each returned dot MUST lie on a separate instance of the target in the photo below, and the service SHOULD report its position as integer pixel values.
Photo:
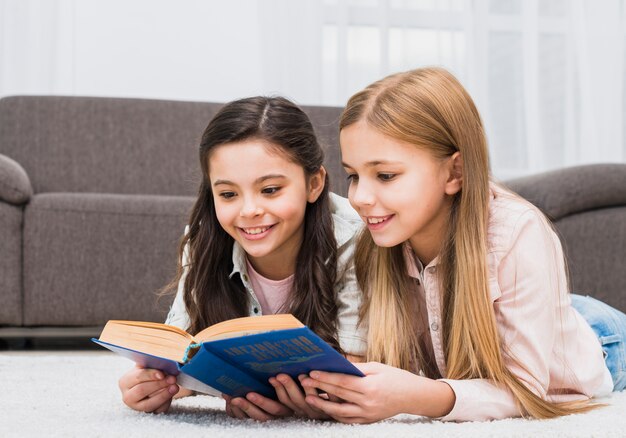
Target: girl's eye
(270, 190)
(386, 176)
(352, 178)
(227, 195)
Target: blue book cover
(243, 364)
(291, 351)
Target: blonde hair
(429, 108)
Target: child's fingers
(143, 390)
(251, 410)
(344, 412)
(330, 388)
(238, 413)
(164, 407)
(307, 389)
(283, 397)
(334, 398)
(140, 375)
(228, 407)
(300, 400)
(293, 391)
(139, 396)
(295, 397)
(155, 401)
(319, 414)
(268, 405)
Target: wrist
(430, 398)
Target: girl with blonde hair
(466, 295)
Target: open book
(233, 357)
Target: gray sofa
(95, 192)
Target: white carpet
(75, 394)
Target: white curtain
(191, 50)
(548, 75)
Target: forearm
(429, 398)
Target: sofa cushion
(15, 187)
(127, 146)
(563, 192)
(10, 264)
(90, 258)
(595, 248)
(105, 145)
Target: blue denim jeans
(609, 324)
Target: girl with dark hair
(265, 236)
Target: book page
(153, 338)
(248, 325)
(165, 329)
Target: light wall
(191, 50)
(548, 76)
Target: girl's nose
(250, 209)
(360, 195)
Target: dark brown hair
(210, 295)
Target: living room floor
(52, 390)
(43, 345)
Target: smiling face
(260, 200)
(402, 192)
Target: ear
(317, 181)
(455, 174)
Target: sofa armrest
(15, 186)
(571, 190)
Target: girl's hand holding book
(255, 406)
(291, 394)
(148, 390)
(291, 401)
(385, 391)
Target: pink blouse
(560, 358)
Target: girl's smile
(375, 223)
(255, 233)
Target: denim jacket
(347, 224)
